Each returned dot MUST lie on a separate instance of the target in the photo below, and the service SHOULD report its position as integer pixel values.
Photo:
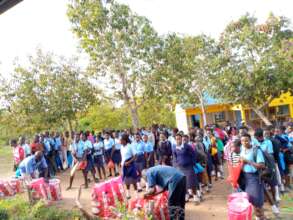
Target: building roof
(7, 4)
(209, 100)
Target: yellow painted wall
(284, 99)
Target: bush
(17, 208)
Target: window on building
(219, 116)
(283, 110)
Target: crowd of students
(199, 156)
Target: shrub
(17, 208)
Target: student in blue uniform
(33, 163)
(185, 159)
(254, 186)
(109, 146)
(138, 148)
(116, 155)
(99, 159)
(171, 179)
(58, 151)
(164, 150)
(89, 157)
(282, 136)
(149, 152)
(79, 153)
(267, 146)
(129, 171)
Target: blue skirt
(130, 174)
(254, 187)
(90, 163)
(116, 157)
(108, 155)
(140, 162)
(99, 161)
(191, 177)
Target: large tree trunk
(134, 118)
(70, 125)
(203, 111)
(262, 116)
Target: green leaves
(48, 93)
(258, 68)
(121, 45)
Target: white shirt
(126, 153)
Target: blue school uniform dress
(98, 154)
(117, 155)
(185, 158)
(58, 155)
(29, 165)
(108, 144)
(129, 173)
(90, 161)
(79, 149)
(254, 186)
(149, 153)
(138, 148)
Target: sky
(44, 24)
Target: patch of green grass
(13, 208)
(5, 152)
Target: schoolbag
(269, 172)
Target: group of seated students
(199, 156)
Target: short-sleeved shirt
(29, 165)
(18, 154)
(47, 146)
(148, 147)
(138, 147)
(265, 145)
(27, 149)
(108, 144)
(98, 148)
(79, 148)
(117, 144)
(207, 143)
(58, 143)
(88, 145)
(162, 176)
(126, 153)
(248, 154)
(173, 142)
(52, 143)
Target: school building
(278, 110)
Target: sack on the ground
(239, 207)
(106, 197)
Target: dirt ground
(214, 206)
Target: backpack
(269, 172)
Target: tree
(47, 93)
(186, 63)
(256, 65)
(121, 46)
(107, 116)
